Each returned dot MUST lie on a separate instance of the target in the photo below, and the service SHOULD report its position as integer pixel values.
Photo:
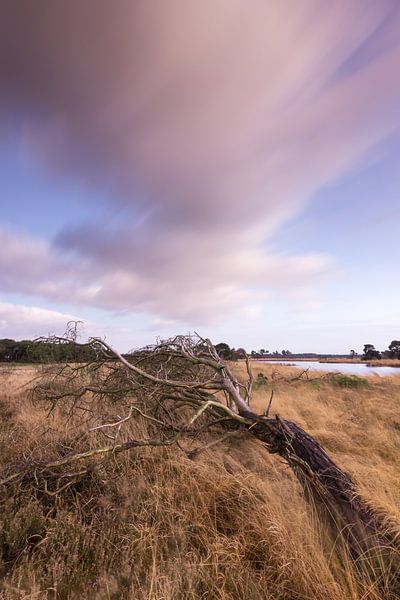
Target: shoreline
(384, 362)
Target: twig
(266, 414)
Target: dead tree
(181, 383)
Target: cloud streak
(212, 123)
(32, 267)
(18, 321)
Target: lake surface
(347, 368)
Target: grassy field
(384, 362)
(231, 523)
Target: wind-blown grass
(230, 523)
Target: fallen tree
(180, 388)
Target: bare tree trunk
(352, 523)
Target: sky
(226, 167)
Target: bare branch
(266, 414)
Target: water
(347, 368)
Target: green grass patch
(349, 381)
(315, 384)
(261, 381)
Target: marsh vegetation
(195, 518)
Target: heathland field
(230, 522)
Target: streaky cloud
(213, 123)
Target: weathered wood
(351, 521)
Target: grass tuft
(348, 381)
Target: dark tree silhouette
(370, 352)
(394, 349)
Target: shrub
(261, 381)
(349, 381)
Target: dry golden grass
(385, 362)
(230, 524)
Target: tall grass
(230, 523)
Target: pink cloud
(18, 321)
(212, 122)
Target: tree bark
(349, 519)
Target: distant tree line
(371, 353)
(43, 351)
(228, 353)
(266, 353)
(46, 351)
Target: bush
(261, 381)
(349, 381)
